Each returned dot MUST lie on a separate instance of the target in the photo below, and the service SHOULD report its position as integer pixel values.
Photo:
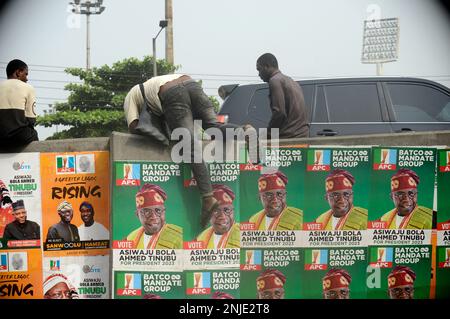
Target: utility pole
(162, 24)
(169, 32)
(88, 7)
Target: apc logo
(318, 160)
(131, 285)
(252, 260)
(65, 164)
(128, 174)
(3, 261)
(444, 161)
(316, 259)
(55, 264)
(199, 283)
(381, 257)
(385, 159)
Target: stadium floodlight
(380, 42)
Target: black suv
(349, 106)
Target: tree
(95, 107)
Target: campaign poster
(334, 273)
(20, 182)
(76, 202)
(402, 190)
(442, 266)
(148, 213)
(272, 199)
(217, 245)
(400, 221)
(399, 271)
(76, 277)
(213, 284)
(21, 273)
(20, 226)
(271, 273)
(148, 285)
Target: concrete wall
(128, 146)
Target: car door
(417, 106)
(351, 108)
(259, 112)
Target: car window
(308, 95)
(320, 114)
(418, 103)
(353, 103)
(259, 107)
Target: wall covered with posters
(310, 222)
(55, 211)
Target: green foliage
(95, 107)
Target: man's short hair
(15, 65)
(88, 205)
(268, 59)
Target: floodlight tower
(380, 42)
(87, 7)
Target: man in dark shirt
(21, 228)
(286, 99)
(64, 229)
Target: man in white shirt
(17, 103)
(180, 99)
(91, 230)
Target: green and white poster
(271, 273)
(442, 266)
(148, 215)
(334, 273)
(402, 188)
(213, 284)
(148, 285)
(399, 272)
(400, 222)
(217, 246)
(272, 199)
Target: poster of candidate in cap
(76, 203)
(20, 200)
(334, 273)
(216, 244)
(442, 265)
(338, 182)
(272, 199)
(271, 273)
(76, 277)
(148, 211)
(400, 216)
(399, 272)
(402, 188)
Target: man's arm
(52, 233)
(7, 235)
(30, 105)
(277, 104)
(132, 127)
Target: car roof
(356, 79)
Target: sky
(218, 42)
